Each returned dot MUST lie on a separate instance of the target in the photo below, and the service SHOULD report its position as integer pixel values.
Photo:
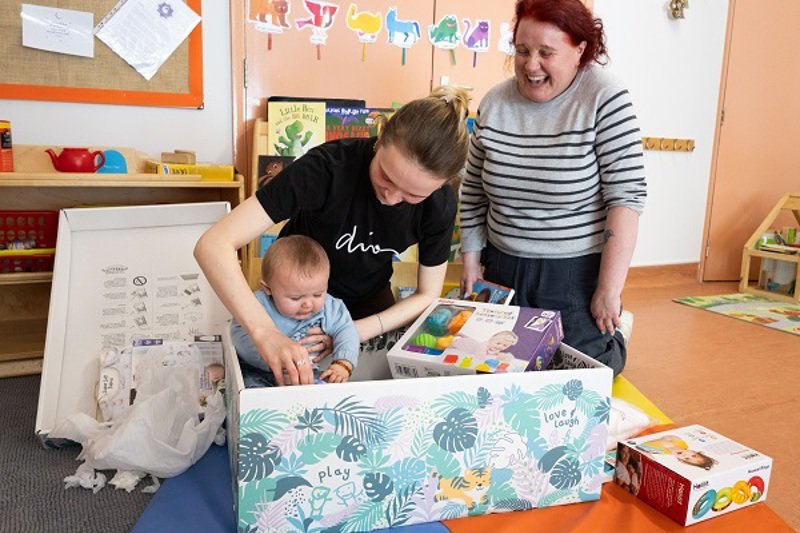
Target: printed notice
(146, 32)
(58, 30)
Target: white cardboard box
(453, 337)
(692, 473)
(109, 262)
(373, 454)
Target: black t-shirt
(327, 195)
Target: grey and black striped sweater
(540, 177)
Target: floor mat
(776, 314)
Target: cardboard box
(692, 473)
(372, 454)
(108, 262)
(455, 337)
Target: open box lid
(121, 273)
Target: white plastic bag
(626, 421)
(160, 434)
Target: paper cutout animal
(409, 28)
(363, 22)
(275, 10)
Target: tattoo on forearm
(607, 235)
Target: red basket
(27, 230)
(34, 229)
(26, 263)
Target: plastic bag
(626, 421)
(163, 433)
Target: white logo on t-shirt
(348, 240)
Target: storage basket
(27, 240)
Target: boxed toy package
(461, 337)
(691, 473)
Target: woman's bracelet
(344, 364)
(380, 321)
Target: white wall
(672, 68)
(148, 129)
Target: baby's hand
(338, 372)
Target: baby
(294, 285)
(677, 447)
(493, 348)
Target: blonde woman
(363, 200)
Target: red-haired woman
(555, 180)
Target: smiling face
(499, 343)
(397, 178)
(297, 295)
(546, 61)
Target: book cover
(486, 291)
(294, 127)
(270, 166)
(355, 122)
(451, 290)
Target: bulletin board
(32, 74)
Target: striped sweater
(540, 177)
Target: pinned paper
(366, 24)
(446, 34)
(402, 33)
(323, 15)
(58, 30)
(476, 37)
(146, 32)
(505, 43)
(270, 16)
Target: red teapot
(77, 160)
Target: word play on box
(463, 337)
(692, 473)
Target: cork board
(32, 74)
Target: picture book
(355, 122)
(486, 291)
(294, 127)
(270, 166)
(451, 290)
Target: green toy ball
(424, 339)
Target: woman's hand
(317, 340)
(471, 271)
(287, 359)
(337, 373)
(606, 308)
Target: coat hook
(676, 7)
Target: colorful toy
(437, 321)
(704, 504)
(458, 321)
(424, 339)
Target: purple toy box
(455, 337)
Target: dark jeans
(566, 285)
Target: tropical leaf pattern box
(373, 454)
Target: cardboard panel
(121, 273)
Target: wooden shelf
(22, 339)
(791, 204)
(35, 186)
(19, 278)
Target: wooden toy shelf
(790, 203)
(25, 296)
